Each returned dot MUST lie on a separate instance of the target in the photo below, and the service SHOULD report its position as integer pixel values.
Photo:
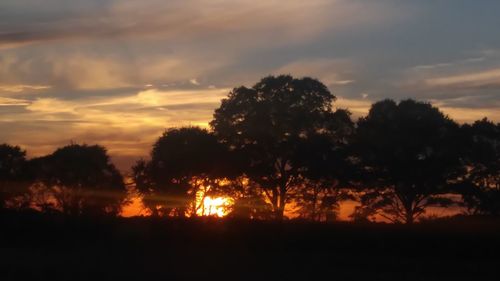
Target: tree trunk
(279, 213)
(282, 202)
(409, 216)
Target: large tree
(269, 124)
(183, 162)
(80, 180)
(14, 175)
(411, 150)
(480, 184)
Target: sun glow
(212, 206)
(219, 206)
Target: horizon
(124, 164)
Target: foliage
(480, 185)
(183, 161)
(14, 173)
(268, 125)
(318, 201)
(411, 151)
(80, 180)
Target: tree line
(279, 143)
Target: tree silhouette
(249, 202)
(327, 169)
(266, 125)
(81, 180)
(183, 161)
(411, 150)
(480, 186)
(14, 175)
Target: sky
(118, 72)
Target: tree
(480, 184)
(411, 150)
(183, 162)
(320, 201)
(14, 175)
(249, 203)
(267, 123)
(328, 170)
(81, 180)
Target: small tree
(411, 150)
(14, 175)
(480, 184)
(183, 161)
(81, 180)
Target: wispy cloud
(194, 82)
(487, 78)
(13, 102)
(358, 107)
(332, 72)
(22, 88)
(180, 19)
(449, 64)
(128, 125)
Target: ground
(52, 247)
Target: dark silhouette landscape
(282, 159)
(43, 247)
(250, 140)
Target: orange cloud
(126, 125)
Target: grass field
(43, 247)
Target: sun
(213, 206)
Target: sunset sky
(117, 73)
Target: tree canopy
(411, 150)
(81, 180)
(14, 174)
(270, 123)
(182, 161)
(480, 185)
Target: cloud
(470, 82)
(13, 102)
(127, 125)
(469, 115)
(332, 72)
(179, 19)
(95, 45)
(449, 64)
(358, 107)
(51, 105)
(85, 70)
(22, 88)
(194, 82)
(482, 79)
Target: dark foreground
(42, 247)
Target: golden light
(212, 206)
(218, 206)
(135, 208)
